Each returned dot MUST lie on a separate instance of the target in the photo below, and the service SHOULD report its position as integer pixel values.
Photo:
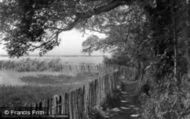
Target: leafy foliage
(163, 41)
(126, 37)
(90, 44)
(147, 33)
(33, 24)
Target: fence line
(79, 103)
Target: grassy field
(46, 64)
(40, 79)
(58, 80)
(31, 65)
(41, 87)
(21, 95)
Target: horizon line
(54, 55)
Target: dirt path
(129, 106)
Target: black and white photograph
(94, 59)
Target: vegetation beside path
(125, 105)
(129, 107)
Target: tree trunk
(175, 50)
(175, 41)
(187, 43)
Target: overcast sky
(71, 44)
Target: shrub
(168, 104)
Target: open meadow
(30, 80)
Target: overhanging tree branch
(82, 16)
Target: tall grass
(59, 79)
(28, 64)
(23, 95)
(41, 87)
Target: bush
(168, 104)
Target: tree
(90, 44)
(168, 20)
(34, 24)
(127, 30)
(159, 35)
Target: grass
(41, 79)
(41, 87)
(19, 96)
(59, 79)
(31, 65)
(47, 79)
(28, 64)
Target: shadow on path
(129, 104)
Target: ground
(22, 88)
(130, 106)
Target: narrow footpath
(129, 104)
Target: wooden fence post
(79, 102)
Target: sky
(71, 44)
